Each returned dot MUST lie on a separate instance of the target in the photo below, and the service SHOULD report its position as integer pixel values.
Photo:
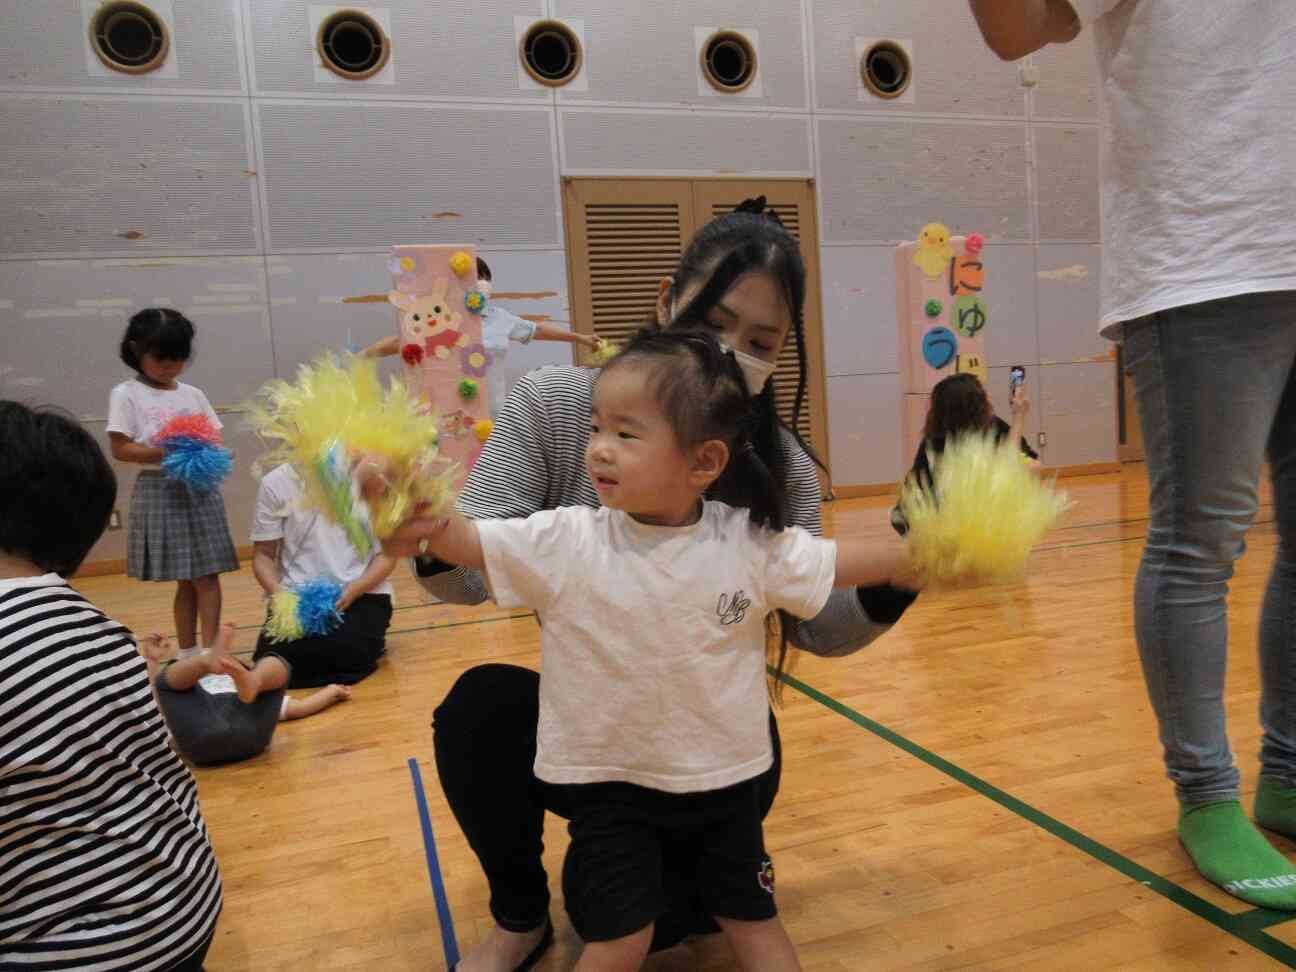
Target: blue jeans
(1216, 390)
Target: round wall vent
(353, 45)
(728, 61)
(885, 69)
(551, 53)
(129, 37)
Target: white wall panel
(954, 72)
(1066, 166)
(1010, 336)
(47, 44)
(859, 307)
(1067, 284)
(360, 176)
(864, 429)
(646, 53)
(440, 50)
(1078, 411)
(64, 319)
(882, 179)
(675, 142)
(125, 175)
(1068, 80)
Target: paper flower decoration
(412, 353)
(974, 243)
(933, 308)
(475, 360)
(461, 262)
(483, 429)
(467, 389)
(475, 301)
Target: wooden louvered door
(625, 235)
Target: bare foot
(248, 685)
(156, 648)
(502, 951)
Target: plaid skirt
(176, 534)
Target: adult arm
(1015, 28)
(384, 348)
(853, 616)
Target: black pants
(485, 738)
(345, 655)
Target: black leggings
(485, 738)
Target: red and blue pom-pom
(194, 453)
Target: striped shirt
(105, 863)
(535, 460)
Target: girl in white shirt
(648, 746)
(174, 533)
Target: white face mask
(756, 371)
(485, 287)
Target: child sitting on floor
(218, 709)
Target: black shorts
(210, 728)
(613, 877)
(345, 655)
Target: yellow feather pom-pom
(602, 354)
(338, 411)
(987, 510)
(284, 623)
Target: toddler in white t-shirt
(656, 609)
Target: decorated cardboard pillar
(439, 309)
(941, 317)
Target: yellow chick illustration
(934, 251)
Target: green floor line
(1247, 929)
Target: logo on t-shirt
(765, 876)
(732, 608)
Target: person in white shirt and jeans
(1199, 283)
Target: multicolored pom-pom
(984, 514)
(193, 451)
(308, 611)
(475, 301)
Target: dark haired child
(959, 405)
(654, 721)
(107, 865)
(175, 533)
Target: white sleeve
(207, 408)
(527, 560)
(1090, 10)
(121, 413)
(271, 511)
(799, 570)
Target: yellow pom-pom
(461, 262)
(483, 429)
(986, 511)
(336, 412)
(603, 353)
(283, 624)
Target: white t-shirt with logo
(653, 638)
(313, 546)
(139, 411)
(1199, 151)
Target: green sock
(1229, 851)
(1275, 807)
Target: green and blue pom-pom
(307, 611)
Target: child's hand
(349, 596)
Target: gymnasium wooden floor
(980, 789)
